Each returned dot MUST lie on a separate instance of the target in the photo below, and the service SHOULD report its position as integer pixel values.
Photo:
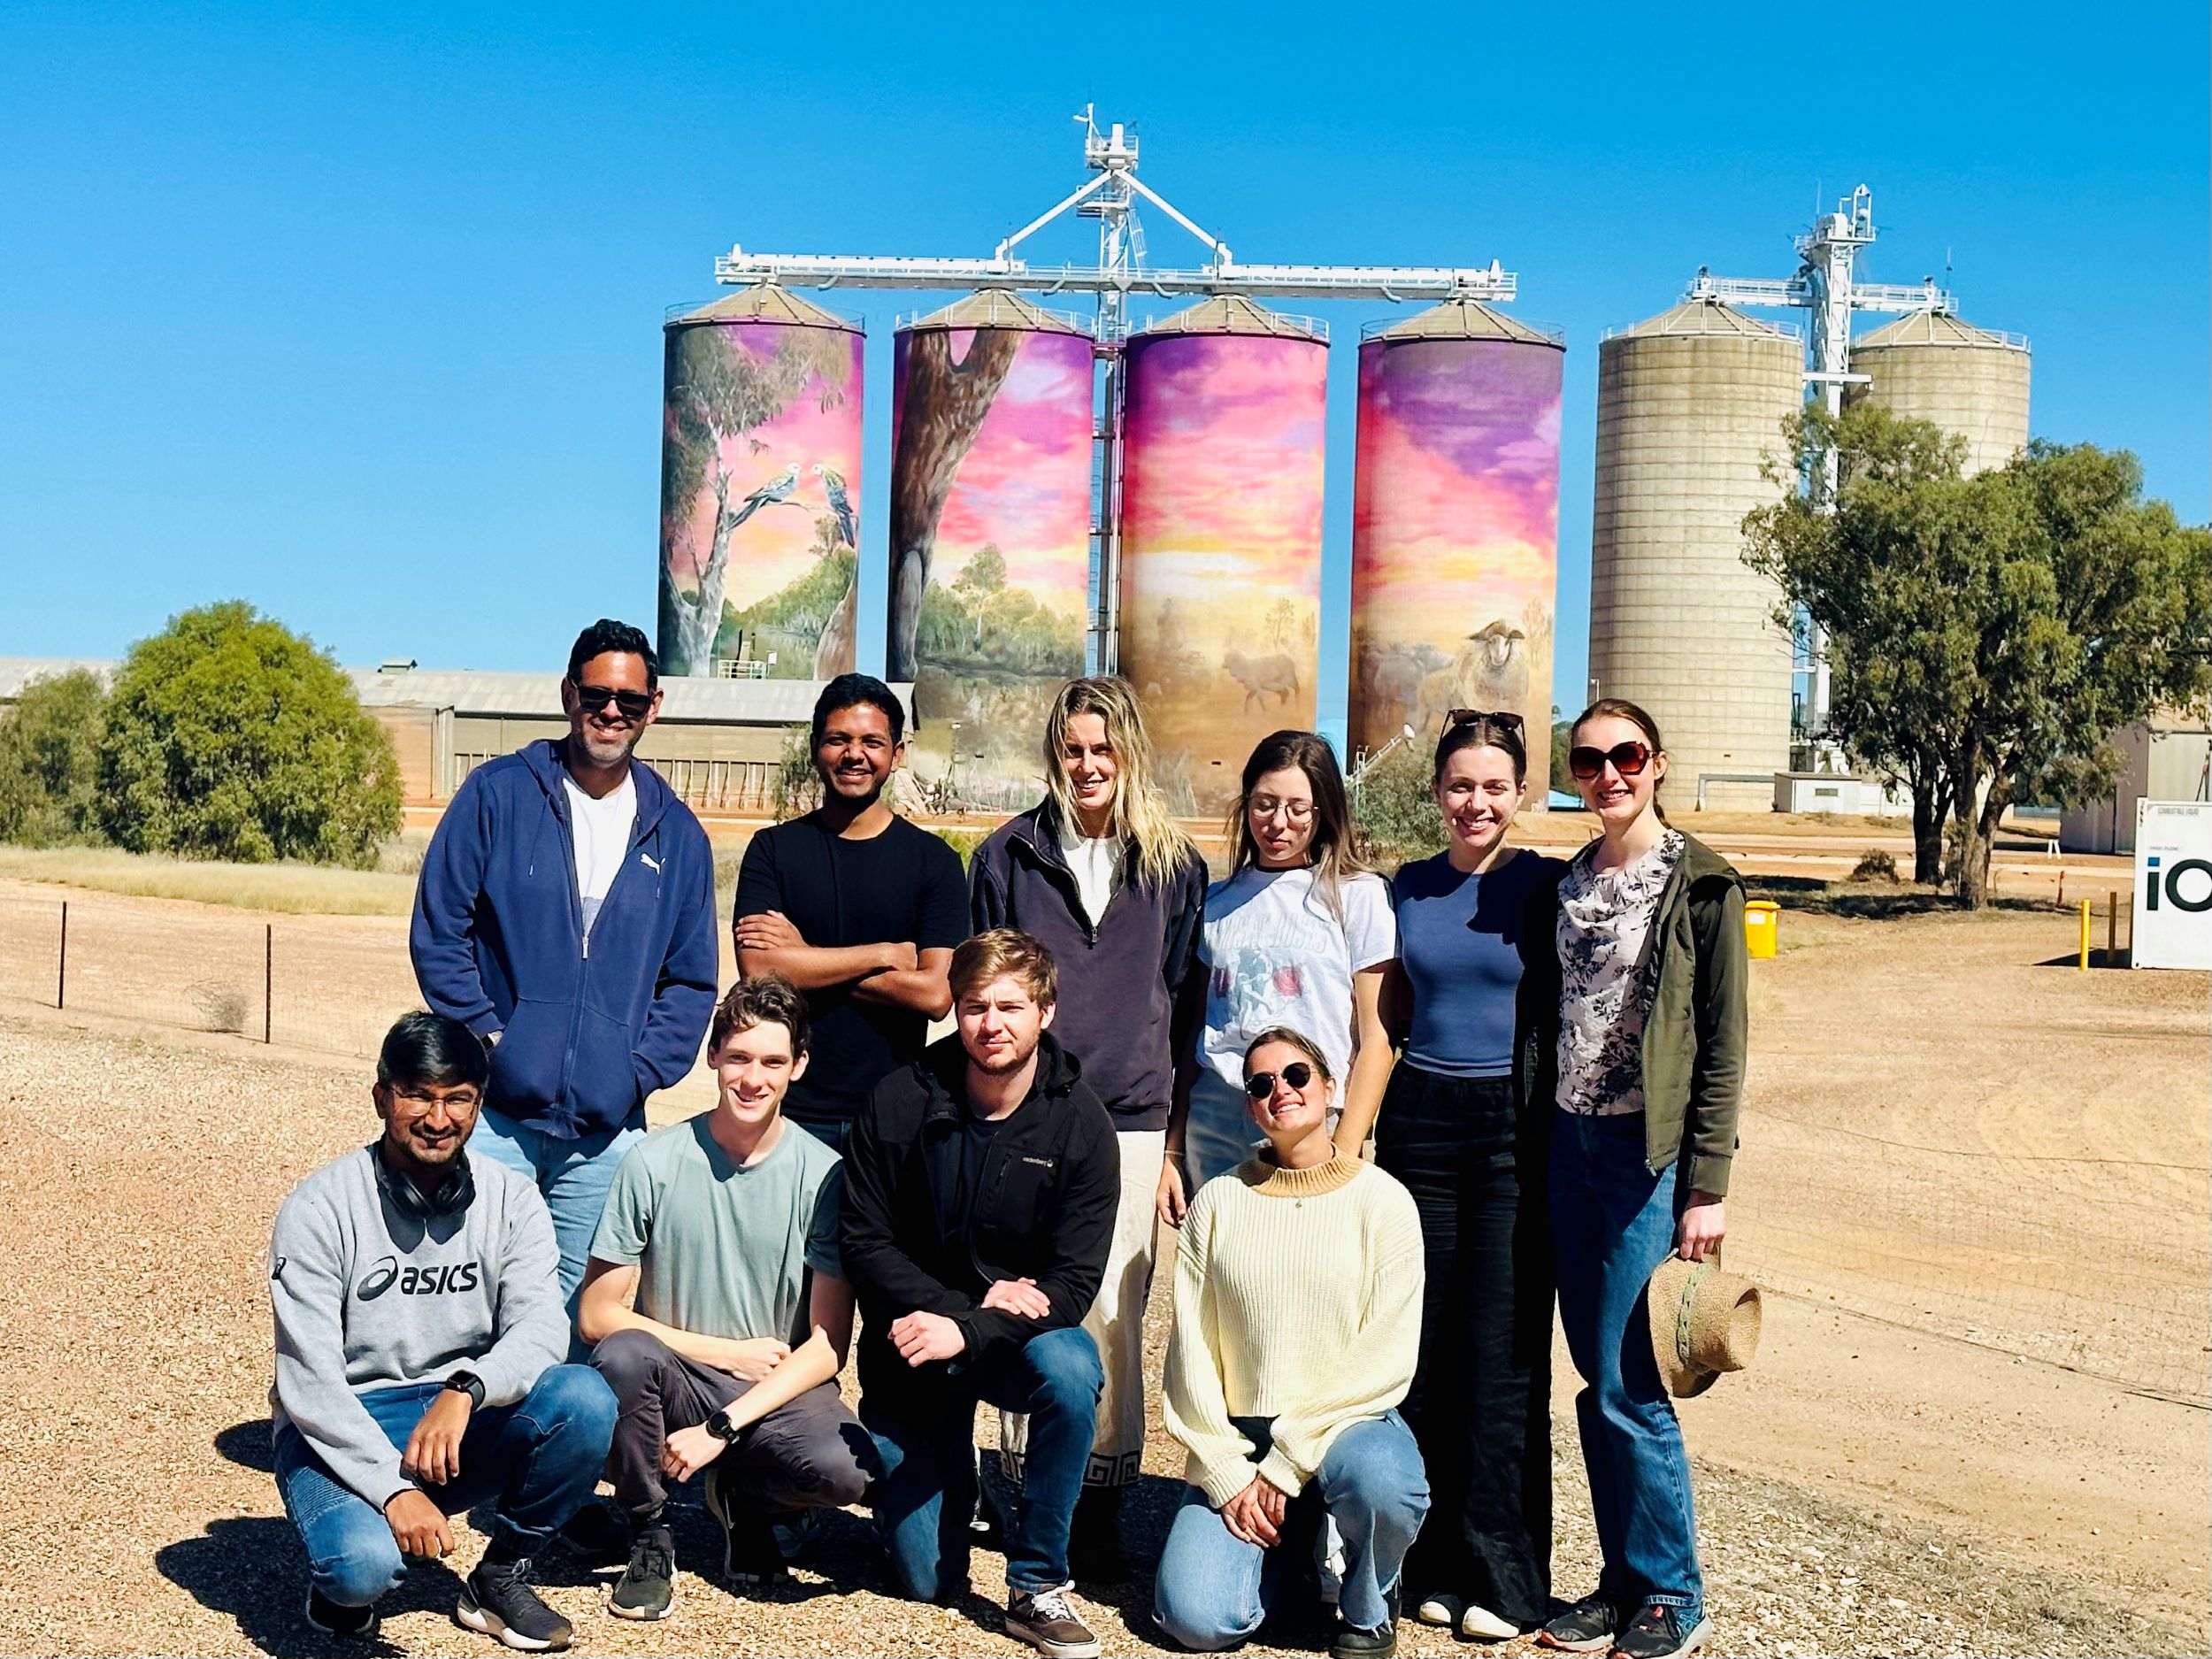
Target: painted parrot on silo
(777, 489)
(839, 502)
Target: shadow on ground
(250, 1568)
(1872, 901)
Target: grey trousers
(812, 1454)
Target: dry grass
(287, 889)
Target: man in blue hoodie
(565, 916)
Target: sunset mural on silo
(1455, 537)
(1004, 599)
(760, 498)
(1221, 547)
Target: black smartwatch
(467, 1382)
(718, 1425)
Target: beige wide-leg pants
(1116, 1322)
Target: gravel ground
(134, 1364)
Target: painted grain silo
(1935, 367)
(1221, 536)
(760, 488)
(1455, 525)
(1689, 404)
(991, 411)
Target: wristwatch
(467, 1382)
(718, 1425)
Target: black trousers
(1480, 1405)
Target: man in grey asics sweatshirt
(420, 1334)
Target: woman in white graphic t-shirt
(1299, 934)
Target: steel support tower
(1827, 286)
(1111, 196)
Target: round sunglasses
(1260, 1085)
(1628, 759)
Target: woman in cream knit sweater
(1297, 1323)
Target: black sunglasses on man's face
(632, 704)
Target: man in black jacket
(980, 1186)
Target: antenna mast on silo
(1111, 195)
(1827, 285)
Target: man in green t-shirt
(727, 1228)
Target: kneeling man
(981, 1189)
(420, 1333)
(726, 1227)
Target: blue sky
(354, 311)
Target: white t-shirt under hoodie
(601, 830)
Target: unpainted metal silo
(1455, 525)
(1221, 536)
(760, 487)
(1690, 402)
(1934, 367)
(991, 412)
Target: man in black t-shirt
(856, 906)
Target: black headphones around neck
(453, 1195)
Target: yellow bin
(1762, 927)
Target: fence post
(2112, 929)
(61, 965)
(268, 976)
(2083, 966)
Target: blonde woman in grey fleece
(420, 1334)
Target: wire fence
(2099, 1264)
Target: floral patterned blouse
(1604, 918)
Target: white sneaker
(1439, 1609)
(1480, 1624)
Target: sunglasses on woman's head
(1504, 718)
(1629, 760)
(1260, 1085)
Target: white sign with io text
(2173, 884)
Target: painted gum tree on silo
(760, 487)
(991, 519)
(1455, 527)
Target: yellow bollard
(2083, 965)
(1762, 927)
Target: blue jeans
(926, 1495)
(573, 1177)
(1220, 1134)
(529, 1465)
(1214, 1590)
(1612, 1223)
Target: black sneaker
(1352, 1642)
(597, 1537)
(1659, 1631)
(1095, 1554)
(497, 1599)
(329, 1618)
(1047, 1621)
(1588, 1626)
(647, 1588)
(752, 1561)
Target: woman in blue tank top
(1450, 1131)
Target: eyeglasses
(1628, 759)
(1268, 806)
(1504, 719)
(633, 704)
(1260, 1085)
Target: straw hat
(1703, 1322)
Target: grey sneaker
(1588, 1626)
(1046, 1620)
(497, 1599)
(1660, 1632)
(647, 1588)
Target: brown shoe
(1048, 1622)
